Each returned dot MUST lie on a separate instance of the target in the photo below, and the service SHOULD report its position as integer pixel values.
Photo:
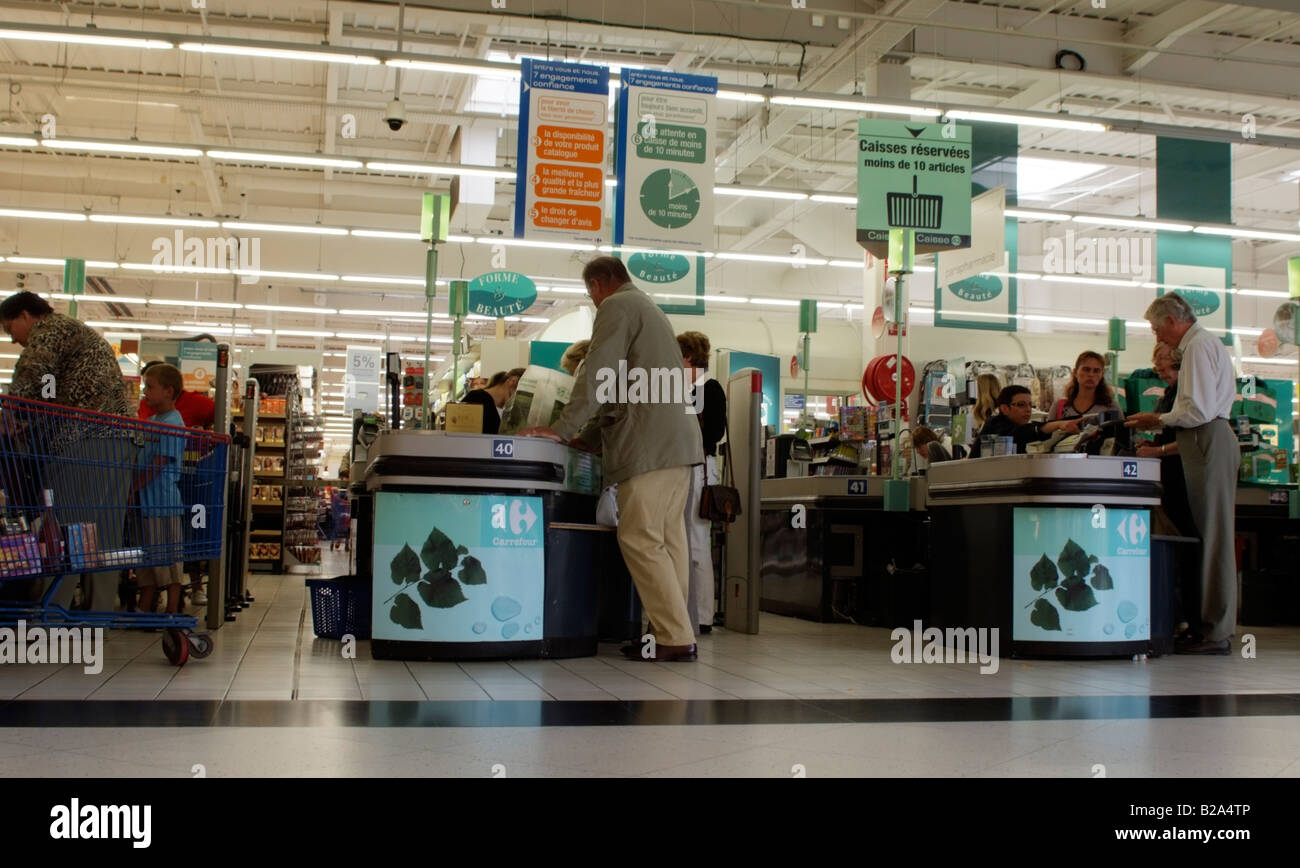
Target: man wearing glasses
(1207, 445)
(1012, 420)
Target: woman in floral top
(85, 469)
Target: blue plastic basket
(340, 606)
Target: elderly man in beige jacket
(649, 443)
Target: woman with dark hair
(88, 468)
(712, 415)
(1088, 391)
(500, 389)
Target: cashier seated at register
(500, 389)
(1012, 420)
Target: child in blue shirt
(158, 483)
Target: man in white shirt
(1207, 386)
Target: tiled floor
(270, 653)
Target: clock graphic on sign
(669, 198)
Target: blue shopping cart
(89, 494)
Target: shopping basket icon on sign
(90, 494)
(914, 211)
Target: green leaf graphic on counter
(406, 566)
(1044, 574)
(1078, 598)
(1074, 561)
(472, 572)
(441, 591)
(1101, 579)
(1071, 582)
(406, 613)
(1045, 615)
(439, 552)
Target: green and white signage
(914, 176)
(1081, 574)
(674, 281)
(501, 293)
(974, 288)
(665, 159)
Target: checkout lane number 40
(503, 449)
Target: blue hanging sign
(501, 293)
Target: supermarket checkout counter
(1055, 550)
(829, 551)
(486, 547)
(1268, 535)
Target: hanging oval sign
(1203, 301)
(658, 267)
(501, 293)
(1284, 322)
(981, 287)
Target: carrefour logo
(1133, 529)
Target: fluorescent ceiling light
(456, 65)
(654, 251)
(43, 260)
(830, 304)
(400, 281)
(736, 299)
(1076, 320)
(285, 159)
(568, 290)
(386, 233)
(42, 215)
(854, 105)
(1061, 123)
(119, 148)
(520, 242)
(847, 263)
(529, 318)
(1028, 214)
(280, 308)
(1100, 281)
(1246, 233)
(288, 275)
(1132, 223)
(154, 221)
(1264, 293)
(321, 56)
(740, 96)
(18, 141)
(364, 336)
(761, 257)
(778, 302)
(78, 36)
(305, 228)
(461, 239)
(1259, 360)
(304, 333)
(441, 169)
(834, 199)
(177, 302)
(121, 324)
(404, 314)
(757, 192)
(173, 269)
(105, 299)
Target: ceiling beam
(1165, 29)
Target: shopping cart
(94, 494)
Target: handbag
(721, 502)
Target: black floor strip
(706, 712)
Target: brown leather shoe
(663, 653)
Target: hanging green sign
(913, 176)
(501, 293)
